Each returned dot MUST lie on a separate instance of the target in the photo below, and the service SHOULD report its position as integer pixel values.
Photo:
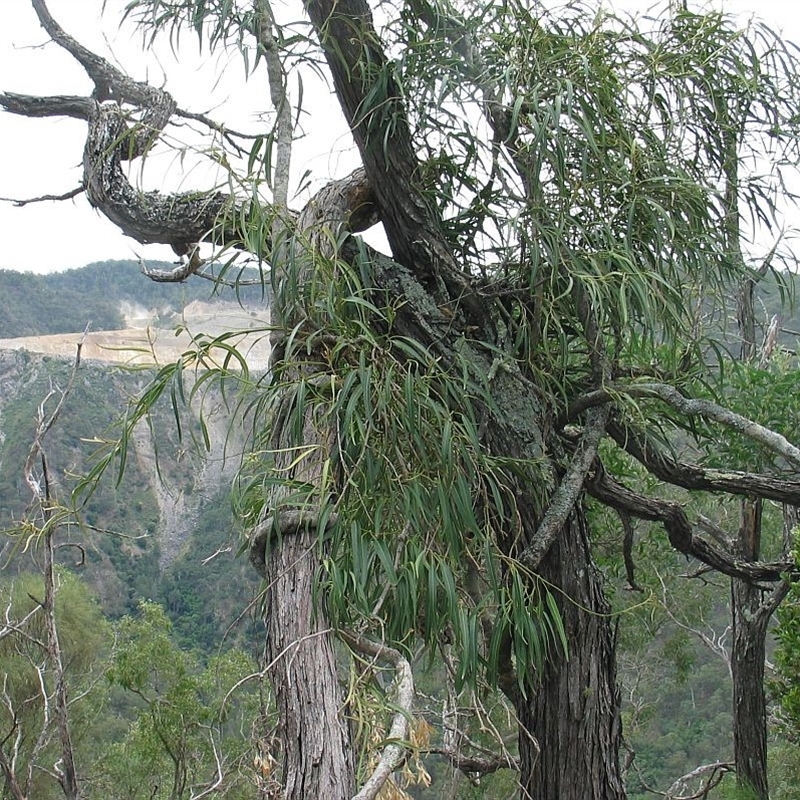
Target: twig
(181, 272)
(45, 197)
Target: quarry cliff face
(152, 339)
(179, 478)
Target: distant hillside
(166, 532)
(65, 302)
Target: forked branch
(680, 530)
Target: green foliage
(730, 791)
(82, 631)
(607, 186)
(206, 589)
(121, 555)
(414, 498)
(617, 134)
(676, 721)
(190, 727)
(769, 394)
(784, 770)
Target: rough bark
(748, 654)
(317, 754)
(554, 719)
(573, 710)
(317, 757)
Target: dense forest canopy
(579, 209)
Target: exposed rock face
(153, 341)
(179, 504)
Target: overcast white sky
(42, 156)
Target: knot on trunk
(277, 525)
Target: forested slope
(145, 538)
(65, 302)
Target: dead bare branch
(396, 750)
(715, 771)
(715, 642)
(44, 198)
(475, 765)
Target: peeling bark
(317, 758)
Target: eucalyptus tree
(552, 194)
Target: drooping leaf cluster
(408, 495)
(609, 171)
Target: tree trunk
(749, 705)
(318, 757)
(317, 753)
(572, 712)
(748, 652)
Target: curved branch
(627, 549)
(181, 272)
(679, 530)
(110, 82)
(730, 419)
(395, 751)
(690, 476)
(182, 219)
(715, 771)
(179, 220)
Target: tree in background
(34, 718)
(174, 748)
(554, 189)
